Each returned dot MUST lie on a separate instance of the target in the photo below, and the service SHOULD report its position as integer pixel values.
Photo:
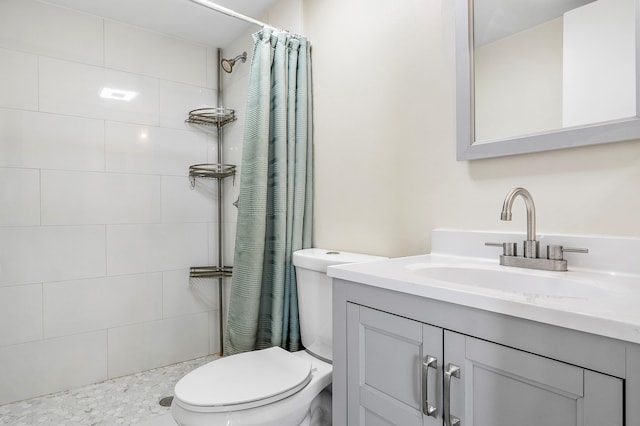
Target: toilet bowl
(262, 400)
(273, 387)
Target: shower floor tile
(126, 400)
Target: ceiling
(185, 19)
(181, 18)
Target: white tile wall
(135, 249)
(19, 82)
(20, 314)
(99, 198)
(177, 99)
(153, 344)
(181, 203)
(74, 89)
(133, 49)
(146, 149)
(101, 303)
(187, 296)
(46, 366)
(98, 224)
(37, 140)
(43, 29)
(19, 197)
(39, 254)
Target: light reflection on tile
(70, 88)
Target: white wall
(386, 173)
(98, 224)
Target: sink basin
(534, 283)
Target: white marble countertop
(593, 300)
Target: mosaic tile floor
(123, 401)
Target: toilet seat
(243, 381)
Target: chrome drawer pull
(427, 408)
(452, 370)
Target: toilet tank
(315, 295)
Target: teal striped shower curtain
(275, 203)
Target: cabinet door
(386, 377)
(501, 386)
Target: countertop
(605, 303)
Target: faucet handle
(508, 249)
(555, 252)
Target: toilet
(273, 387)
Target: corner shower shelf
(210, 271)
(210, 171)
(212, 120)
(211, 116)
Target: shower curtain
(275, 203)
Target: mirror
(545, 74)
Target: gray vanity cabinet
(390, 359)
(385, 368)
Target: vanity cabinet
(400, 369)
(513, 371)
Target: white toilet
(273, 386)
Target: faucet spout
(531, 245)
(552, 262)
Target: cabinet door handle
(451, 370)
(428, 408)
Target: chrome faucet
(531, 247)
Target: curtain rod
(231, 13)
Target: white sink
(599, 294)
(510, 280)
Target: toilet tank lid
(319, 259)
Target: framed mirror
(545, 74)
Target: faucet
(531, 256)
(531, 245)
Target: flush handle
(428, 408)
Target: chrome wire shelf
(210, 171)
(211, 271)
(211, 116)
